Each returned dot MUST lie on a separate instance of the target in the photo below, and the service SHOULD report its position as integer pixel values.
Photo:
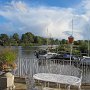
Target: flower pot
(7, 81)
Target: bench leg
(45, 84)
(48, 84)
(69, 87)
(59, 86)
(79, 88)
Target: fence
(31, 66)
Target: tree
(83, 47)
(39, 40)
(27, 38)
(16, 37)
(4, 39)
(57, 41)
(76, 43)
(64, 41)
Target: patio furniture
(59, 79)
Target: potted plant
(7, 64)
(7, 59)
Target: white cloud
(37, 19)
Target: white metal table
(58, 78)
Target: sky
(47, 18)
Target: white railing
(28, 66)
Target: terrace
(27, 68)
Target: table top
(57, 78)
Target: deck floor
(21, 85)
(85, 88)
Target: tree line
(80, 47)
(26, 39)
